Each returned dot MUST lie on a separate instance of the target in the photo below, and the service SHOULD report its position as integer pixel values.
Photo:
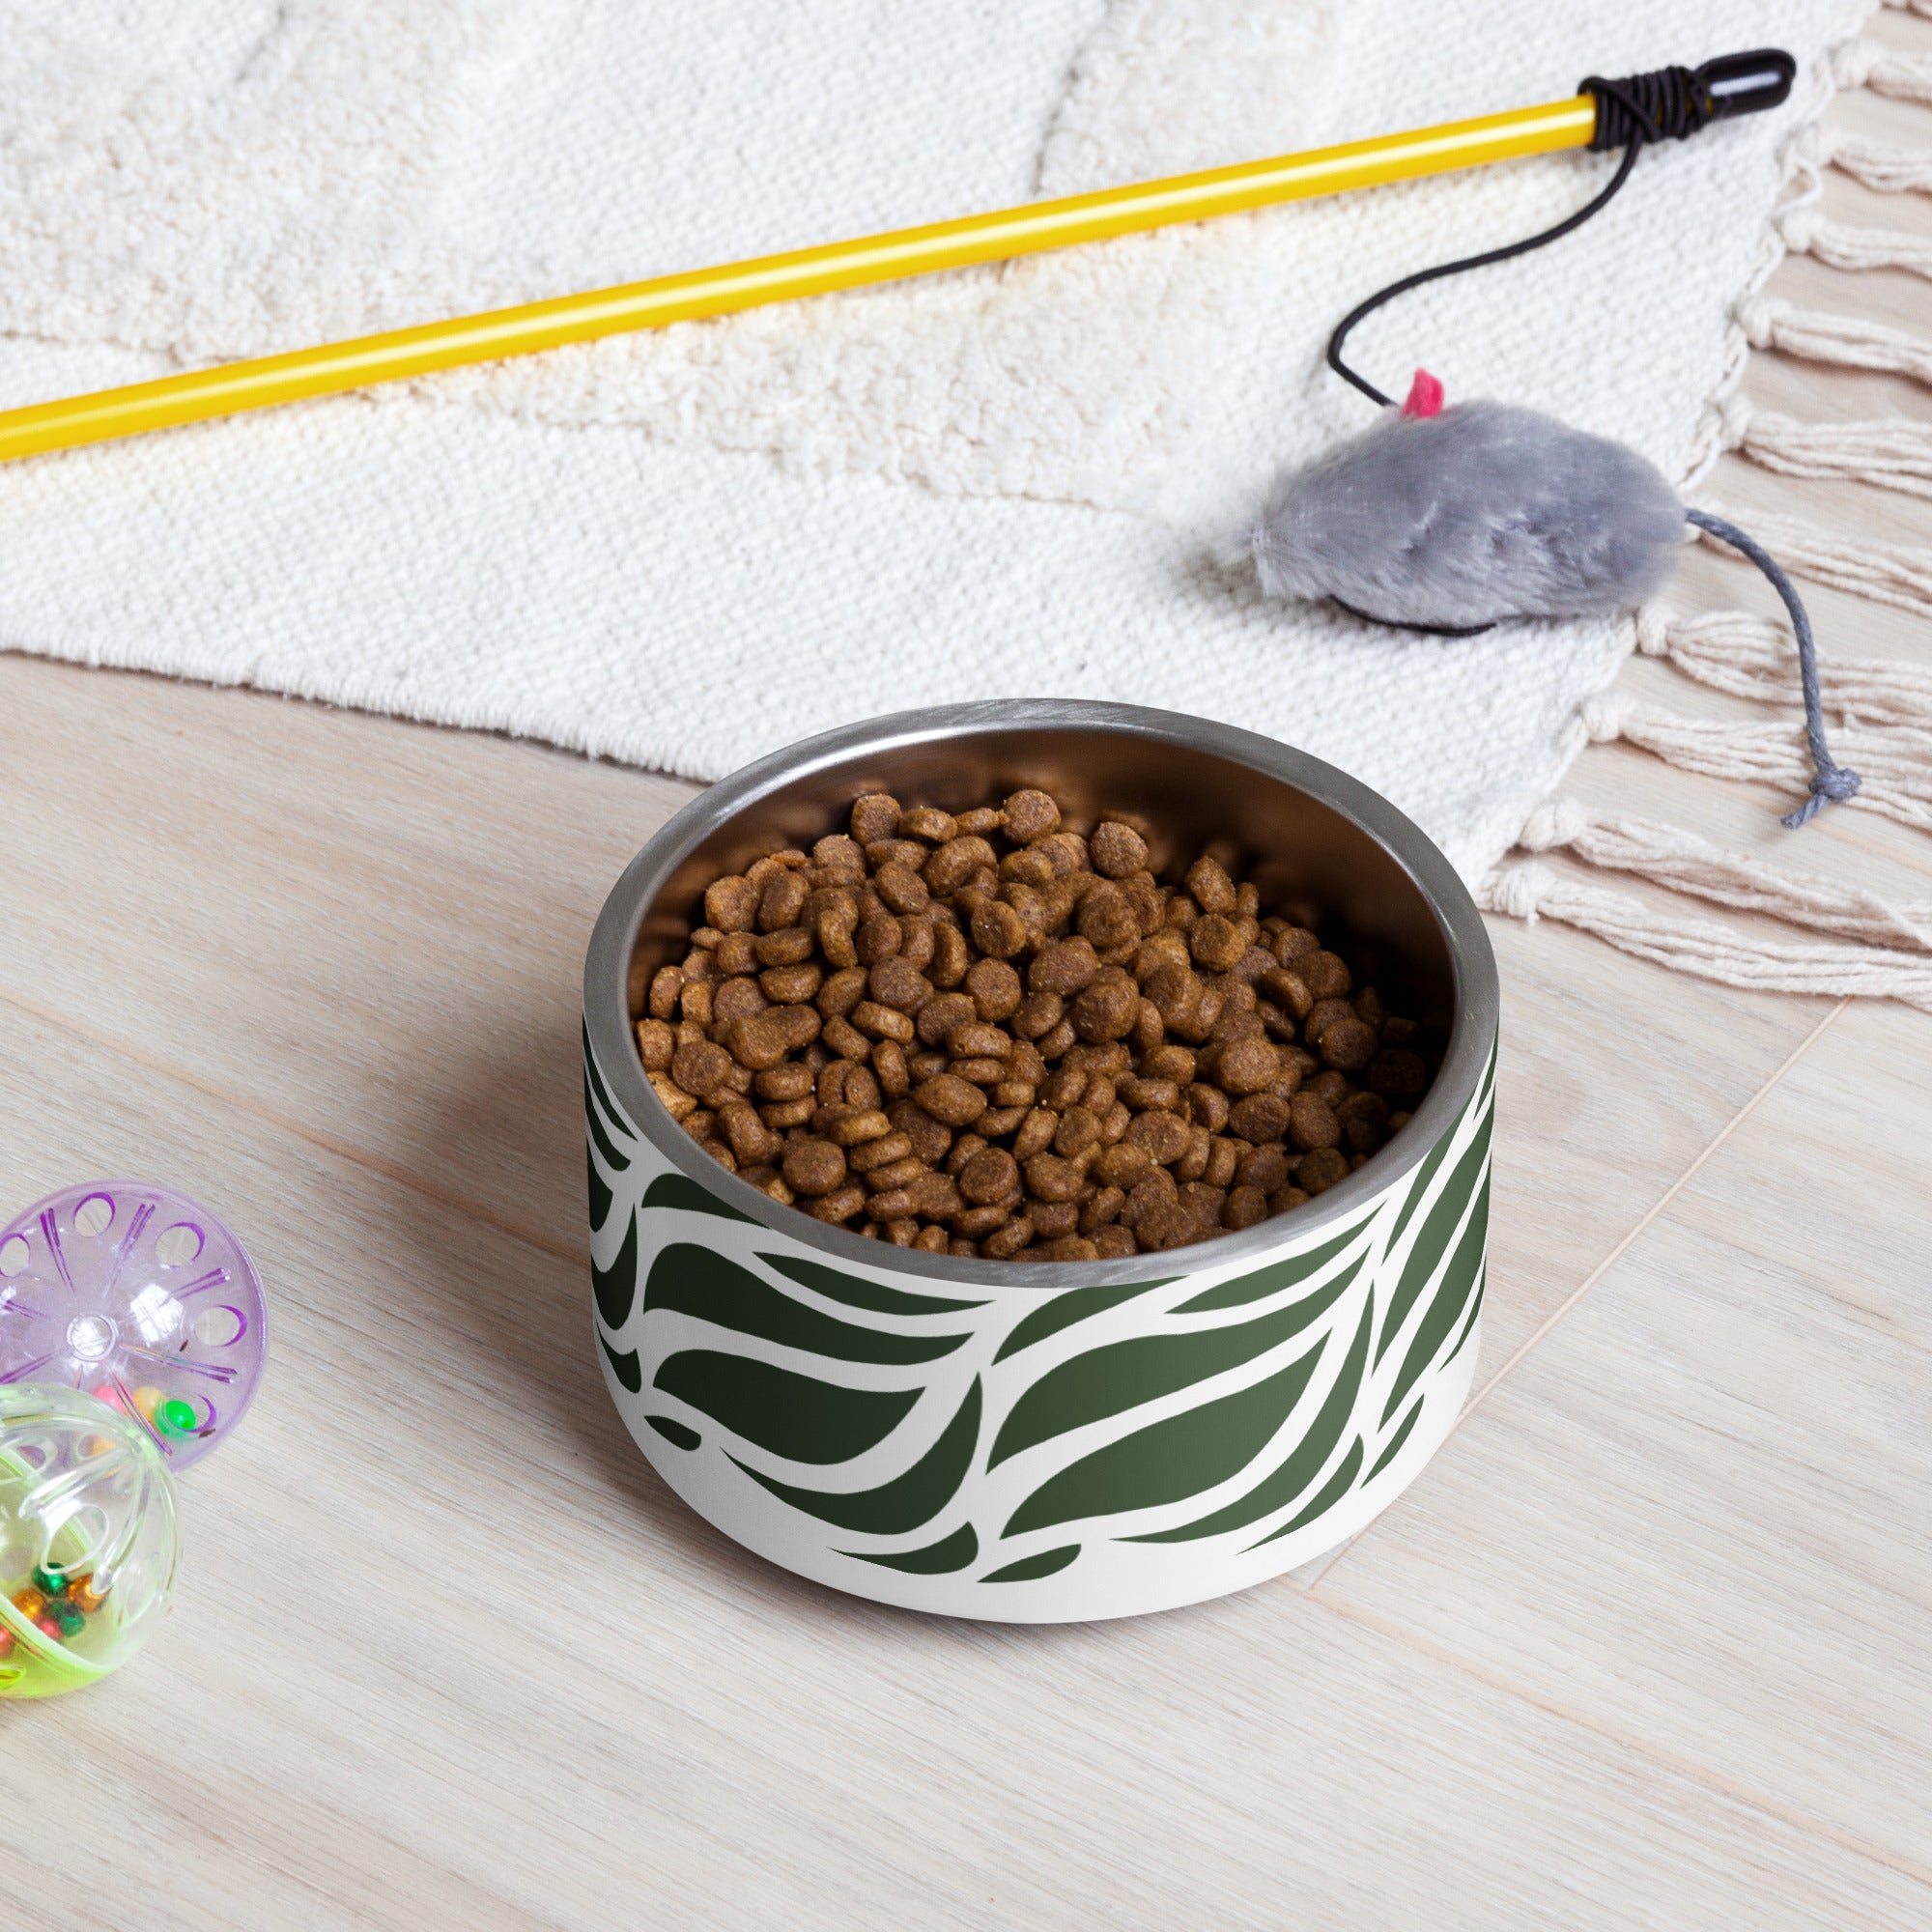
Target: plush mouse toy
(1454, 518)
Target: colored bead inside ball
(88, 1539)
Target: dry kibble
(1311, 1123)
(1028, 815)
(1349, 1045)
(1247, 1066)
(1320, 1169)
(988, 1035)
(656, 1044)
(950, 1101)
(1117, 850)
(731, 905)
(813, 1167)
(875, 816)
(1397, 1074)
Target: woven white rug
(687, 549)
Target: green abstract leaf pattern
(627, 1368)
(1273, 1278)
(856, 1292)
(1170, 1459)
(1459, 1283)
(594, 1075)
(1065, 1309)
(1292, 1447)
(1324, 1500)
(1124, 1374)
(617, 1285)
(798, 1418)
(600, 1194)
(937, 1559)
(696, 1281)
(1434, 1236)
(1393, 1446)
(1047, 1563)
(612, 1160)
(906, 1501)
(1301, 1465)
(678, 1190)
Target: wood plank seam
(1309, 1584)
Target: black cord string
(1623, 119)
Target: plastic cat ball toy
(132, 1337)
(86, 1539)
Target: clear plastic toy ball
(88, 1539)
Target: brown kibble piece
(1064, 967)
(902, 889)
(929, 823)
(990, 1174)
(875, 816)
(899, 985)
(1320, 1169)
(1312, 1123)
(1162, 1137)
(1243, 1208)
(656, 1044)
(700, 1068)
(950, 1101)
(1210, 885)
(731, 905)
(995, 988)
(1107, 918)
(1397, 1074)
(1107, 1008)
(1117, 850)
(1349, 1045)
(814, 1166)
(1261, 1117)
(1326, 975)
(1167, 1226)
(998, 929)
(1248, 1067)
(1215, 943)
(782, 901)
(1049, 1178)
(1028, 815)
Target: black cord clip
(1674, 103)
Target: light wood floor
(1645, 1646)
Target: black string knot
(1670, 105)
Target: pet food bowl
(1045, 1441)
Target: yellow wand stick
(1738, 83)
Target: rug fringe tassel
(1686, 863)
(1880, 166)
(1816, 335)
(1885, 69)
(1895, 574)
(1748, 656)
(1896, 764)
(1684, 943)
(1894, 453)
(1838, 244)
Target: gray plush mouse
(1456, 519)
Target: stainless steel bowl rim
(606, 975)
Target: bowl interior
(1309, 860)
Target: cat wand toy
(1677, 99)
